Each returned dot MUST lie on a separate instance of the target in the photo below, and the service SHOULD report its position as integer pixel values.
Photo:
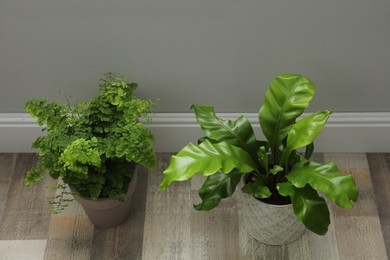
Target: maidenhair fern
(93, 146)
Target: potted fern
(280, 185)
(94, 148)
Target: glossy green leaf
(285, 100)
(276, 169)
(294, 158)
(239, 133)
(341, 189)
(263, 159)
(204, 138)
(206, 159)
(309, 151)
(216, 187)
(308, 206)
(257, 188)
(304, 132)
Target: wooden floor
(163, 225)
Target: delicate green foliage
(79, 155)
(93, 146)
(35, 174)
(59, 202)
(275, 166)
(216, 187)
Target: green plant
(274, 169)
(93, 147)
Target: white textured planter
(270, 224)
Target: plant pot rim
(103, 202)
(244, 179)
(108, 213)
(268, 204)
(270, 224)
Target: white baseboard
(344, 132)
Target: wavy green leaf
(206, 159)
(263, 159)
(276, 169)
(308, 206)
(257, 188)
(309, 151)
(216, 187)
(304, 132)
(341, 189)
(285, 100)
(239, 133)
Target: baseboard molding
(345, 132)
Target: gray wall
(216, 52)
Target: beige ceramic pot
(270, 224)
(108, 213)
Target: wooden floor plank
(312, 246)
(380, 176)
(347, 160)
(168, 217)
(26, 214)
(74, 208)
(70, 237)
(359, 238)
(22, 249)
(214, 233)
(251, 249)
(358, 230)
(365, 205)
(164, 224)
(124, 241)
(7, 166)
